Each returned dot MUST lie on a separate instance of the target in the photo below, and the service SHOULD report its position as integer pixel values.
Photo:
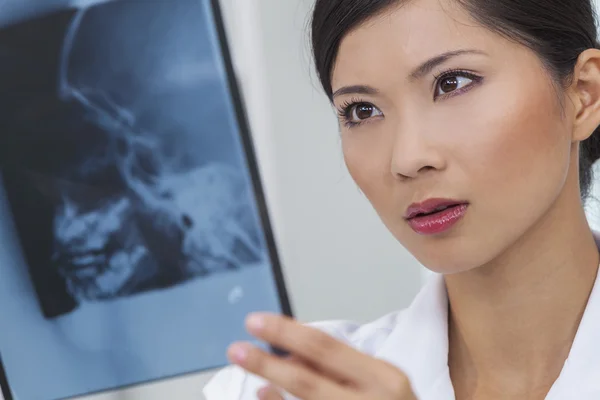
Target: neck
(512, 322)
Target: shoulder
(233, 383)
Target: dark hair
(557, 30)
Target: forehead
(404, 37)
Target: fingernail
(255, 322)
(239, 352)
(263, 392)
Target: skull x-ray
(129, 197)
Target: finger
(269, 393)
(290, 376)
(271, 390)
(305, 363)
(340, 361)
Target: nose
(415, 153)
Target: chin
(450, 254)
(447, 269)
(446, 264)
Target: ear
(585, 94)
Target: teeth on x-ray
(102, 252)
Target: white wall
(338, 259)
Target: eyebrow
(430, 64)
(355, 89)
(419, 72)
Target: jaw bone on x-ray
(132, 196)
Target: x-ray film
(134, 233)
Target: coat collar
(418, 345)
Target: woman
(469, 125)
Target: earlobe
(586, 94)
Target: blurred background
(339, 261)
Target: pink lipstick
(435, 216)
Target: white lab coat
(416, 341)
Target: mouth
(435, 215)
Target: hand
(320, 367)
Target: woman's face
(435, 106)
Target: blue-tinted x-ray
(132, 241)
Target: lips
(435, 216)
(430, 207)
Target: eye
(355, 113)
(449, 84)
(455, 82)
(363, 111)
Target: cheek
(367, 157)
(511, 162)
(517, 149)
